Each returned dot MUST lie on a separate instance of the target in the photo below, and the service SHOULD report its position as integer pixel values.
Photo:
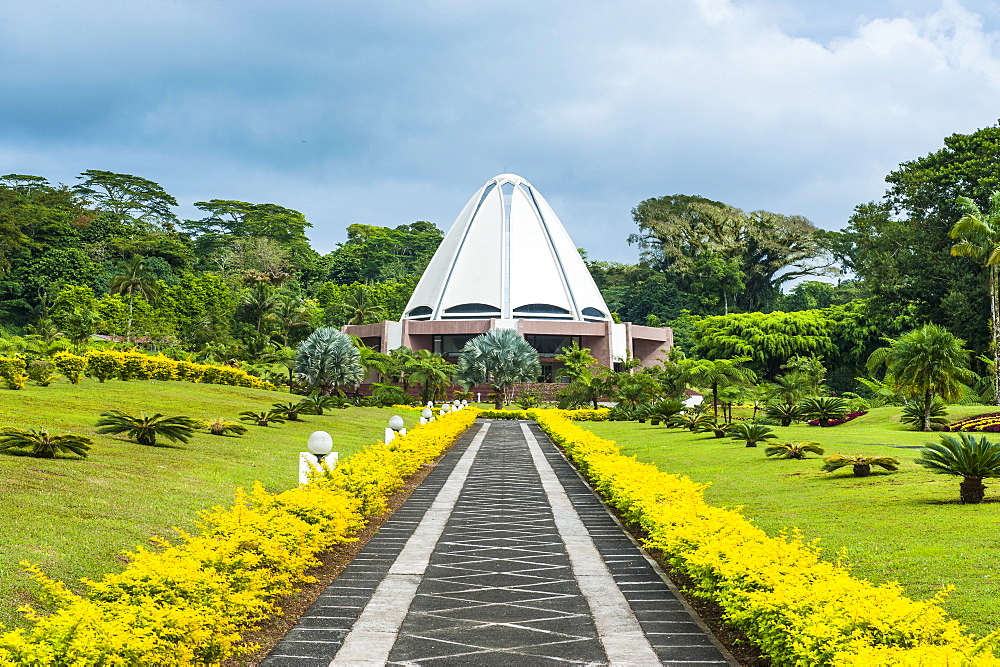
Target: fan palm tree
(823, 408)
(966, 457)
(134, 277)
(327, 359)
(42, 444)
(220, 426)
(147, 428)
(750, 433)
(793, 450)
(862, 465)
(499, 358)
(978, 237)
(925, 363)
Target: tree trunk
(995, 328)
(928, 402)
(862, 470)
(972, 490)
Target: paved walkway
(503, 556)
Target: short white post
(479, 397)
(320, 449)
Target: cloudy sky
(389, 112)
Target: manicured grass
(74, 517)
(906, 526)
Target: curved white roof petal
(507, 256)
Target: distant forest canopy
(108, 255)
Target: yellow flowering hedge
(799, 609)
(187, 602)
(108, 364)
(12, 372)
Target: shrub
(103, 365)
(70, 365)
(798, 608)
(966, 457)
(783, 413)
(43, 445)
(793, 450)
(262, 418)
(862, 465)
(12, 372)
(750, 433)
(823, 409)
(837, 422)
(40, 371)
(528, 399)
(147, 428)
(913, 414)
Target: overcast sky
(389, 112)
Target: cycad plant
(291, 411)
(913, 414)
(750, 433)
(262, 418)
(964, 456)
(42, 445)
(824, 408)
(665, 409)
(220, 426)
(784, 413)
(692, 420)
(147, 428)
(862, 465)
(793, 450)
(317, 403)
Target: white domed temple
(507, 261)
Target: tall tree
(738, 255)
(978, 237)
(328, 359)
(128, 197)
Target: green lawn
(75, 517)
(906, 526)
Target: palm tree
(823, 408)
(793, 450)
(862, 465)
(715, 373)
(575, 360)
(288, 313)
(431, 371)
(360, 308)
(260, 301)
(326, 359)
(147, 428)
(979, 238)
(134, 277)
(750, 433)
(291, 411)
(965, 457)
(318, 402)
(500, 358)
(220, 426)
(43, 445)
(924, 363)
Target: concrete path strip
(371, 639)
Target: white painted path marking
(374, 634)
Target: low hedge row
(187, 602)
(581, 415)
(107, 365)
(799, 609)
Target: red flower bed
(837, 422)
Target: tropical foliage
(792, 450)
(499, 358)
(42, 444)
(749, 433)
(964, 456)
(861, 465)
(328, 359)
(145, 429)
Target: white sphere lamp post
(426, 416)
(396, 427)
(320, 446)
